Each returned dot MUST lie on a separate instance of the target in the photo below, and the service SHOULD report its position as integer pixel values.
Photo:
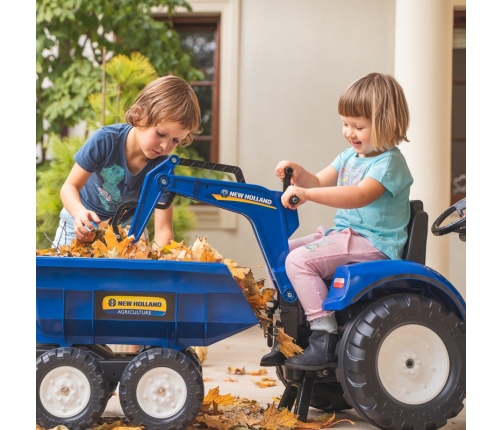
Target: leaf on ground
(213, 422)
(266, 382)
(322, 422)
(258, 372)
(115, 423)
(214, 399)
(236, 370)
(274, 419)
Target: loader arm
(271, 222)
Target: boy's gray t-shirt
(385, 221)
(111, 183)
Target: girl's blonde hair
(168, 98)
(381, 99)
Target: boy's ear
(138, 115)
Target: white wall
(295, 59)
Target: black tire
(178, 384)
(112, 386)
(402, 363)
(190, 352)
(71, 389)
(326, 396)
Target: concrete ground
(244, 351)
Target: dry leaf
(201, 352)
(322, 422)
(111, 239)
(265, 382)
(236, 371)
(287, 345)
(258, 372)
(214, 400)
(213, 422)
(273, 419)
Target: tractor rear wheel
(402, 363)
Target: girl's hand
(280, 170)
(83, 225)
(301, 193)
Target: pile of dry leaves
(227, 412)
(103, 243)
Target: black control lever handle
(288, 172)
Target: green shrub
(51, 177)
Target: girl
(110, 167)
(369, 184)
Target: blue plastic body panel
(366, 280)
(181, 304)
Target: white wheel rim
(65, 391)
(413, 364)
(161, 392)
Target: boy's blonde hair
(168, 98)
(381, 99)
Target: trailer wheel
(71, 389)
(190, 352)
(402, 363)
(161, 388)
(326, 396)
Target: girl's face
(160, 139)
(357, 131)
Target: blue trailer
(401, 356)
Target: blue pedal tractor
(401, 357)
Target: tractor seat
(415, 247)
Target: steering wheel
(457, 226)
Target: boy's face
(357, 131)
(160, 139)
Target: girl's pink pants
(315, 257)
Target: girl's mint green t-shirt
(384, 222)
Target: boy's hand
(83, 225)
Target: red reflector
(338, 283)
